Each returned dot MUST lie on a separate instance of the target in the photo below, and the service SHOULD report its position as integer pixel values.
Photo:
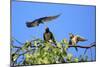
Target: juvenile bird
(48, 36)
(74, 39)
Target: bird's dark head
(28, 24)
(47, 29)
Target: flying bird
(74, 39)
(38, 21)
(48, 36)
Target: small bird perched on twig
(74, 39)
(48, 36)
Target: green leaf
(15, 57)
(35, 43)
(76, 60)
(69, 57)
(59, 45)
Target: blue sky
(76, 19)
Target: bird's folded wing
(81, 39)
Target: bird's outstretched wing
(36, 22)
(49, 18)
(81, 39)
(32, 24)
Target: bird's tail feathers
(81, 39)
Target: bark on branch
(91, 45)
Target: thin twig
(18, 41)
(85, 51)
(91, 45)
(91, 54)
(21, 55)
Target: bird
(48, 36)
(74, 39)
(41, 20)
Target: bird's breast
(47, 36)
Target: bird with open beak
(74, 39)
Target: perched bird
(74, 39)
(48, 36)
(38, 21)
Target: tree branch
(91, 45)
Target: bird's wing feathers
(35, 23)
(44, 36)
(52, 37)
(49, 18)
(41, 20)
(32, 24)
(81, 39)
